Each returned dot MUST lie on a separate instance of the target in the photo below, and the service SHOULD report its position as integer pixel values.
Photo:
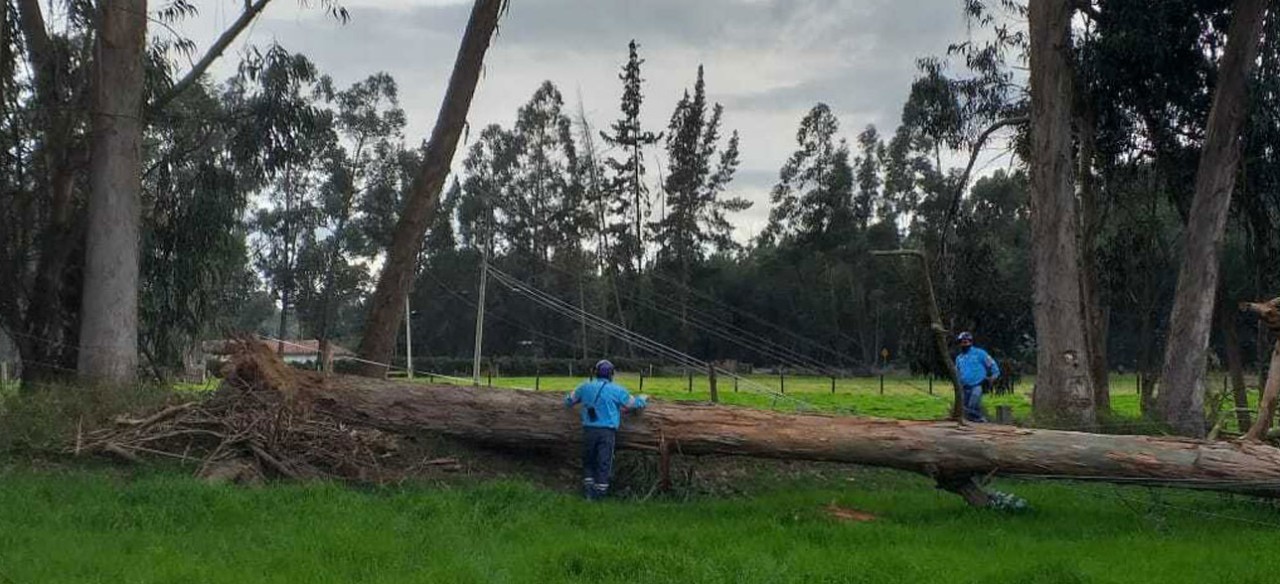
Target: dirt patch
(848, 514)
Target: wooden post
(537, 381)
(326, 358)
(1004, 415)
(735, 384)
(641, 382)
(782, 381)
(690, 382)
(833, 385)
(881, 383)
(711, 381)
(664, 465)
(930, 384)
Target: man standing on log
(975, 367)
(603, 403)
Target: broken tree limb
(1269, 313)
(951, 453)
(937, 329)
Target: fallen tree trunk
(951, 453)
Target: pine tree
(630, 195)
(695, 221)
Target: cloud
(767, 61)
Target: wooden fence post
(711, 379)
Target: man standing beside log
(603, 403)
(975, 367)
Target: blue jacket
(607, 398)
(974, 366)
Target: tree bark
(1235, 365)
(1180, 401)
(384, 314)
(1096, 315)
(951, 453)
(109, 309)
(1064, 382)
(48, 322)
(1269, 312)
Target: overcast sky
(767, 61)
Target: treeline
(268, 203)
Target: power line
(758, 319)
(716, 326)
(571, 311)
(527, 327)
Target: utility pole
(484, 281)
(408, 338)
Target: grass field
(78, 524)
(90, 526)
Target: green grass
(903, 397)
(84, 526)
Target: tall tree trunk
(1064, 381)
(109, 309)
(1180, 402)
(49, 320)
(1096, 315)
(1235, 363)
(384, 313)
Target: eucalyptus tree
(813, 200)
(549, 175)
(385, 311)
(281, 90)
(1181, 398)
(92, 70)
(1064, 378)
(369, 125)
(698, 173)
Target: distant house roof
(296, 347)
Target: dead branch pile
(260, 423)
